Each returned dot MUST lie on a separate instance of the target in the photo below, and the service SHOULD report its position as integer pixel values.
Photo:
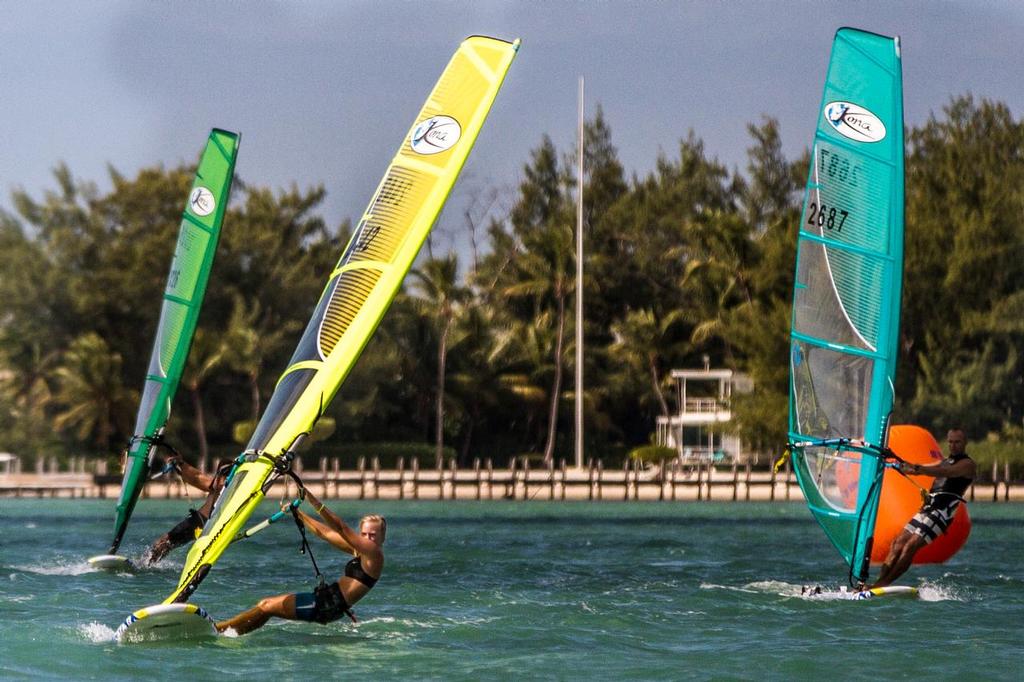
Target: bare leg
(900, 558)
(281, 606)
(886, 575)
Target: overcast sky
(323, 92)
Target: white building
(9, 464)
(699, 431)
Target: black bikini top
(354, 569)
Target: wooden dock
(520, 481)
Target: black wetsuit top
(955, 486)
(354, 569)
(185, 531)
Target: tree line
(692, 259)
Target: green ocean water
(526, 591)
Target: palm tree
(546, 276)
(247, 345)
(26, 393)
(475, 381)
(642, 341)
(206, 357)
(523, 350)
(95, 401)
(441, 297)
(718, 277)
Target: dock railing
(520, 480)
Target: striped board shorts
(934, 518)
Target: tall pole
(579, 290)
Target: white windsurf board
(111, 562)
(164, 622)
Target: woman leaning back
(330, 601)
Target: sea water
(504, 590)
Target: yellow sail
(362, 285)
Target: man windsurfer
(330, 601)
(186, 530)
(953, 476)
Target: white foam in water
(97, 633)
(60, 568)
(926, 591)
(765, 586)
(443, 621)
(827, 594)
(932, 592)
(762, 587)
(784, 589)
(776, 587)
(167, 564)
(713, 586)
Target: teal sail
(846, 301)
(183, 297)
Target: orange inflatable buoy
(901, 499)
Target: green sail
(183, 297)
(846, 302)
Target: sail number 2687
(829, 217)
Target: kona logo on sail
(435, 135)
(854, 122)
(201, 201)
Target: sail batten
(198, 223)
(852, 248)
(361, 286)
(847, 293)
(824, 343)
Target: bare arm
(357, 543)
(965, 468)
(325, 533)
(190, 474)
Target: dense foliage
(691, 260)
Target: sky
(324, 92)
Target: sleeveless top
(956, 485)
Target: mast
(579, 289)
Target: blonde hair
(375, 518)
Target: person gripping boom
(954, 476)
(330, 601)
(186, 530)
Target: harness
(322, 592)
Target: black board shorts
(323, 605)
